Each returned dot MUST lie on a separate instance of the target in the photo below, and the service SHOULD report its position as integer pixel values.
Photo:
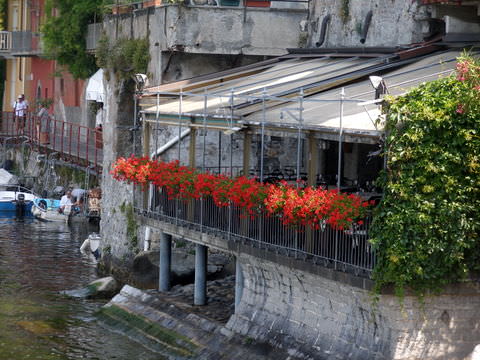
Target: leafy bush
(64, 34)
(426, 229)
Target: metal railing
(74, 143)
(345, 250)
(5, 41)
(20, 43)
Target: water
(38, 261)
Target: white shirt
(65, 201)
(20, 108)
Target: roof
(295, 92)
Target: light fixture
(379, 85)
(141, 80)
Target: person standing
(43, 124)
(20, 109)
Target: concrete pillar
(201, 256)
(238, 283)
(165, 261)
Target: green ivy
(124, 57)
(64, 34)
(426, 229)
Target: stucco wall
(319, 318)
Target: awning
(293, 93)
(95, 90)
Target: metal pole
(340, 134)
(299, 136)
(177, 205)
(339, 173)
(231, 164)
(262, 136)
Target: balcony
(19, 43)
(346, 250)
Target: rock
(101, 288)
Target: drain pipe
(147, 241)
(323, 31)
(169, 144)
(366, 26)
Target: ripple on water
(37, 261)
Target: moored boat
(47, 210)
(16, 198)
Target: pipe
(366, 26)
(146, 243)
(323, 30)
(169, 144)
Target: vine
(124, 57)
(426, 229)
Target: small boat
(47, 210)
(16, 198)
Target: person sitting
(66, 202)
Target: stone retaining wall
(320, 318)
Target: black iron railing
(346, 250)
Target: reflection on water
(37, 261)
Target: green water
(37, 262)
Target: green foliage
(64, 35)
(3, 14)
(345, 10)
(426, 229)
(132, 226)
(125, 57)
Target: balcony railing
(5, 41)
(20, 43)
(345, 250)
(73, 143)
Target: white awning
(95, 90)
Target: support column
(165, 261)
(191, 149)
(247, 148)
(201, 255)
(238, 283)
(312, 159)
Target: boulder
(101, 288)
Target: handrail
(77, 144)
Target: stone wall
(318, 318)
(347, 23)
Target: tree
(64, 34)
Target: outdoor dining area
(304, 127)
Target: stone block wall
(318, 318)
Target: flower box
(152, 3)
(121, 9)
(257, 3)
